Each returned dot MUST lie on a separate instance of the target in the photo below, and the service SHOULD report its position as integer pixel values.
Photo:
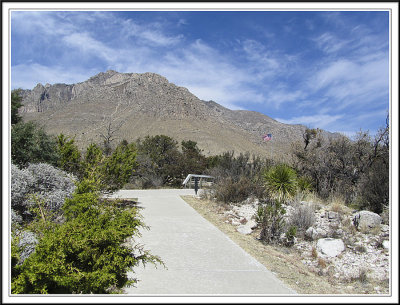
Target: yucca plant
(281, 185)
(281, 182)
(304, 184)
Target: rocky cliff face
(148, 104)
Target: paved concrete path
(200, 258)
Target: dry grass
(348, 226)
(314, 252)
(283, 262)
(337, 204)
(322, 263)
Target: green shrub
(272, 222)
(70, 157)
(108, 173)
(16, 100)
(290, 236)
(91, 252)
(31, 144)
(227, 190)
(120, 166)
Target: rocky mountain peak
(148, 104)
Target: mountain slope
(147, 104)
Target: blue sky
(325, 69)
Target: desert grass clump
(337, 204)
(362, 276)
(385, 215)
(270, 215)
(281, 183)
(302, 217)
(314, 252)
(322, 263)
(348, 226)
(281, 186)
(361, 249)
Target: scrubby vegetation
(91, 251)
(354, 171)
(65, 238)
(357, 171)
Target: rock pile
(340, 244)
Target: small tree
(31, 144)
(112, 127)
(120, 166)
(192, 161)
(164, 155)
(16, 103)
(70, 157)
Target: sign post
(196, 184)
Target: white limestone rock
(244, 229)
(330, 246)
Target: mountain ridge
(148, 104)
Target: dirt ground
(285, 263)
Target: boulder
(366, 220)
(251, 224)
(385, 228)
(330, 246)
(244, 229)
(311, 233)
(386, 244)
(321, 232)
(331, 215)
(235, 222)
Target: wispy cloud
(151, 33)
(320, 120)
(348, 82)
(27, 76)
(329, 43)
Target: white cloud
(206, 73)
(87, 44)
(40, 23)
(27, 76)
(258, 53)
(318, 120)
(151, 33)
(277, 97)
(329, 43)
(350, 82)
